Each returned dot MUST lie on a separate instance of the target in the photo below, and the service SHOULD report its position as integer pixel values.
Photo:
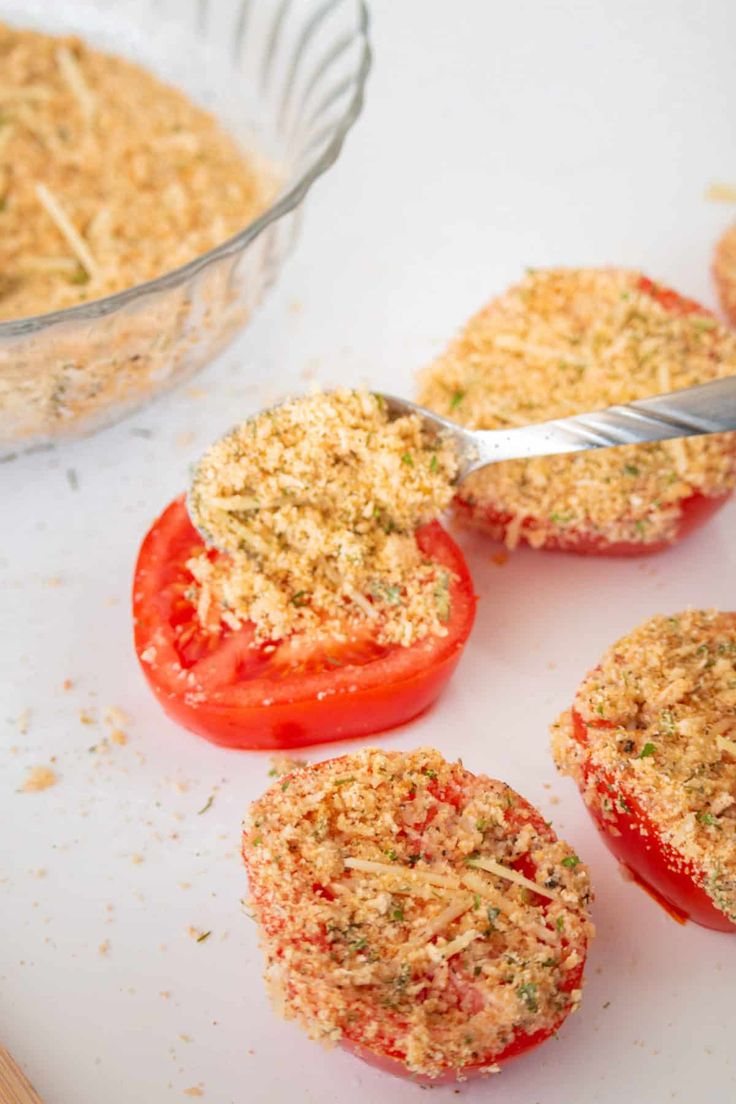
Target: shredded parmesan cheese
(510, 875)
(74, 239)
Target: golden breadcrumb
(660, 711)
(566, 341)
(406, 904)
(108, 177)
(316, 503)
(38, 779)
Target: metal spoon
(707, 408)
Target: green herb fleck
(647, 751)
(570, 861)
(207, 805)
(299, 600)
(705, 818)
(457, 398)
(205, 935)
(528, 994)
(343, 781)
(407, 459)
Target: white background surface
(496, 136)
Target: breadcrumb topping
(411, 907)
(315, 504)
(660, 716)
(108, 177)
(566, 341)
(724, 270)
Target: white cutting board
(496, 136)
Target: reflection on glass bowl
(286, 77)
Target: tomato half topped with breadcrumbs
(651, 743)
(222, 683)
(724, 271)
(567, 341)
(426, 918)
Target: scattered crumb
(86, 717)
(195, 392)
(117, 736)
(24, 720)
(186, 1038)
(165, 994)
(500, 558)
(116, 717)
(195, 1090)
(67, 684)
(39, 778)
(137, 859)
(284, 764)
(54, 581)
(721, 193)
(104, 947)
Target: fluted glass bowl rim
(289, 201)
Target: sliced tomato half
(636, 841)
(382, 1047)
(694, 510)
(292, 692)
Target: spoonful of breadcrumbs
(304, 473)
(315, 502)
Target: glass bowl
(286, 77)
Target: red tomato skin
(694, 511)
(391, 1061)
(634, 839)
(307, 709)
(387, 1058)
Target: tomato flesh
(290, 693)
(634, 838)
(694, 510)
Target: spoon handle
(15, 1088)
(707, 408)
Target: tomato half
(383, 1049)
(634, 838)
(694, 510)
(292, 693)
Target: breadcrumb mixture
(316, 503)
(661, 715)
(108, 177)
(724, 270)
(394, 910)
(566, 341)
